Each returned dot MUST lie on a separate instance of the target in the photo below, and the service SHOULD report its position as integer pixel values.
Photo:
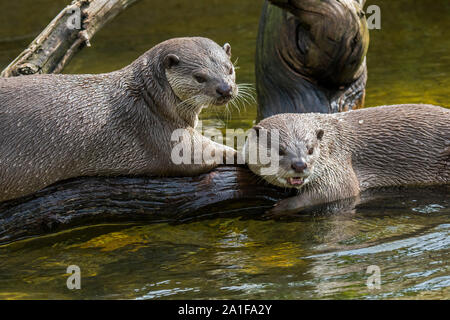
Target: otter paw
(283, 209)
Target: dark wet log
(226, 191)
(311, 56)
(53, 49)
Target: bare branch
(52, 50)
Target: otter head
(200, 73)
(293, 152)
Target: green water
(407, 237)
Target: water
(405, 235)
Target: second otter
(329, 157)
(55, 127)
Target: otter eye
(281, 152)
(231, 70)
(310, 151)
(199, 78)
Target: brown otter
(55, 127)
(329, 157)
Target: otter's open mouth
(295, 181)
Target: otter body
(335, 156)
(55, 127)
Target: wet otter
(335, 156)
(55, 127)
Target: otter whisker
(235, 64)
(244, 99)
(241, 101)
(233, 104)
(229, 114)
(247, 91)
(187, 101)
(188, 105)
(245, 85)
(236, 105)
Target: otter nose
(224, 90)
(299, 166)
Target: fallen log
(55, 46)
(226, 191)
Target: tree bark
(53, 49)
(225, 191)
(310, 56)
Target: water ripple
(438, 240)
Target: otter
(329, 157)
(56, 127)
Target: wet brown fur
(55, 127)
(403, 145)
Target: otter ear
(319, 134)
(257, 129)
(227, 49)
(171, 60)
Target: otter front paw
(284, 209)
